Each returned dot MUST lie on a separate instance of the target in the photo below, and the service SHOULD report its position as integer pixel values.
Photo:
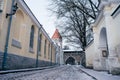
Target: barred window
(31, 37)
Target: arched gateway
(72, 57)
(70, 60)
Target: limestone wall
(107, 24)
(90, 55)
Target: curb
(89, 74)
(25, 70)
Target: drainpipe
(7, 39)
(38, 47)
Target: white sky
(40, 10)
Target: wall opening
(70, 61)
(103, 46)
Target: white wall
(90, 53)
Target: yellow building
(23, 41)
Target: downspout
(7, 39)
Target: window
(31, 37)
(104, 53)
(49, 51)
(39, 45)
(1, 5)
(45, 48)
(51, 54)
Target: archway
(70, 60)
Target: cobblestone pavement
(57, 73)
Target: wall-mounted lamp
(14, 9)
(0, 11)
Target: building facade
(105, 49)
(23, 41)
(57, 39)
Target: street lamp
(0, 11)
(14, 9)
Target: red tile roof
(56, 35)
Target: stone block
(16, 43)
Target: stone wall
(1, 57)
(89, 52)
(20, 62)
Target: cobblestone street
(66, 72)
(58, 73)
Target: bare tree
(75, 16)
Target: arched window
(40, 39)
(32, 37)
(49, 51)
(45, 48)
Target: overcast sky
(40, 10)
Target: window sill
(31, 50)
